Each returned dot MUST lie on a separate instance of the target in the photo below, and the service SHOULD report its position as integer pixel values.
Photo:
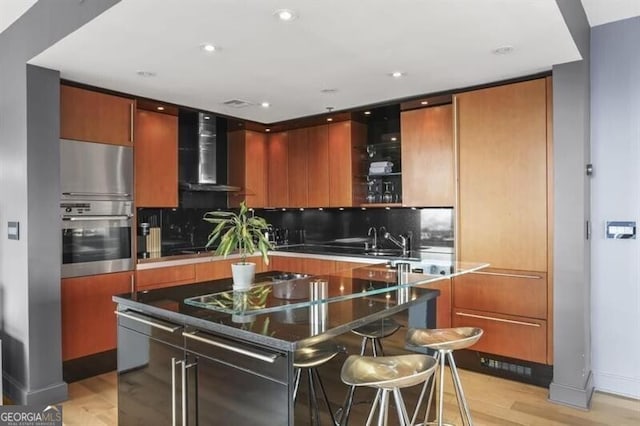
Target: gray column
(572, 379)
(29, 193)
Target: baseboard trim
(89, 366)
(49, 395)
(572, 396)
(628, 387)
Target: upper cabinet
(277, 170)
(156, 160)
(346, 163)
(297, 165)
(96, 117)
(247, 151)
(502, 147)
(428, 177)
(319, 166)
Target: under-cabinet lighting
(320, 208)
(267, 130)
(424, 103)
(341, 208)
(367, 113)
(387, 208)
(329, 119)
(160, 108)
(363, 208)
(301, 209)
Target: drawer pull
(266, 358)
(144, 320)
(530, 324)
(500, 274)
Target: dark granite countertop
(372, 293)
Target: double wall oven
(96, 208)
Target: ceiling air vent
(236, 103)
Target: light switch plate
(621, 230)
(13, 230)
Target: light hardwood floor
(493, 401)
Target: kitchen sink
(384, 252)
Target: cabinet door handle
(133, 288)
(528, 324)
(173, 389)
(131, 122)
(144, 320)
(501, 274)
(266, 358)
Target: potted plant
(243, 232)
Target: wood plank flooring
(493, 401)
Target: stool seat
(378, 329)
(387, 372)
(313, 356)
(445, 339)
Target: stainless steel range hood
(203, 168)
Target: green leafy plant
(240, 231)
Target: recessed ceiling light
(160, 108)
(208, 47)
(265, 104)
(328, 91)
(424, 103)
(285, 14)
(503, 50)
(367, 113)
(397, 74)
(146, 73)
(394, 139)
(329, 119)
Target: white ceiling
(604, 11)
(10, 10)
(348, 45)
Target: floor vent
(509, 367)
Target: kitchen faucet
(404, 243)
(375, 237)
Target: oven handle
(115, 217)
(96, 194)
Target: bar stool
(375, 331)
(388, 374)
(371, 333)
(444, 341)
(309, 359)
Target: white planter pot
(243, 275)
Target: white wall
(615, 145)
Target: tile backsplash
(183, 228)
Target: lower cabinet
(170, 375)
(88, 322)
(510, 306)
(168, 276)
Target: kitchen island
(203, 354)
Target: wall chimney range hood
(203, 152)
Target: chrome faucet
(404, 243)
(375, 237)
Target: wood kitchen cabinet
(156, 160)
(148, 279)
(297, 166)
(91, 116)
(504, 139)
(428, 176)
(318, 166)
(247, 153)
(302, 265)
(510, 306)
(88, 321)
(277, 169)
(503, 186)
(346, 163)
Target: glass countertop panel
(287, 291)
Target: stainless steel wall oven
(96, 208)
(96, 237)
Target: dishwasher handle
(148, 321)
